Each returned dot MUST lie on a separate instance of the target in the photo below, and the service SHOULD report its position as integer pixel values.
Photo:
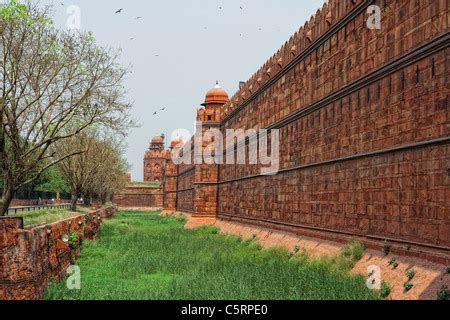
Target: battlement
(323, 20)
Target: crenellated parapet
(323, 20)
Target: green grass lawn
(143, 256)
(145, 184)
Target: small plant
(354, 251)
(448, 270)
(73, 240)
(392, 261)
(88, 218)
(408, 286)
(254, 236)
(385, 290)
(443, 294)
(411, 274)
(296, 249)
(386, 247)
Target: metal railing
(15, 210)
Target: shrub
(448, 270)
(73, 240)
(395, 265)
(408, 286)
(88, 218)
(296, 248)
(411, 274)
(385, 290)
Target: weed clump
(443, 294)
(386, 247)
(354, 251)
(408, 286)
(385, 290)
(411, 274)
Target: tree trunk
(87, 200)
(7, 197)
(73, 206)
(3, 206)
(2, 136)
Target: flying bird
(155, 113)
(119, 11)
(162, 109)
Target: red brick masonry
(364, 125)
(31, 257)
(141, 196)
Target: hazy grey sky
(197, 44)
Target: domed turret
(158, 139)
(175, 143)
(157, 143)
(216, 96)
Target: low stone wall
(141, 197)
(31, 257)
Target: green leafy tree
(51, 180)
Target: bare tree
(54, 86)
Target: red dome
(175, 142)
(216, 95)
(158, 139)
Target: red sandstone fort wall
(403, 194)
(363, 118)
(141, 196)
(186, 188)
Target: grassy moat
(142, 256)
